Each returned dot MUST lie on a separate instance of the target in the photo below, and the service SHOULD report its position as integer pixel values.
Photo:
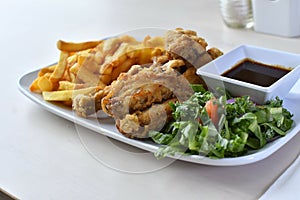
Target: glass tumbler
(237, 13)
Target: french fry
(74, 68)
(72, 58)
(105, 78)
(34, 86)
(111, 45)
(87, 77)
(45, 84)
(48, 69)
(134, 53)
(90, 64)
(60, 68)
(122, 68)
(67, 85)
(74, 47)
(82, 57)
(154, 42)
(66, 75)
(99, 57)
(72, 77)
(120, 59)
(145, 56)
(66, 95)
(106, 69)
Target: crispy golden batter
(138, 99)
(137, 125)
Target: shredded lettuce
(242, 126)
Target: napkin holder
(277, 17)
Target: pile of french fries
(87, 67)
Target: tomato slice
(211, 107)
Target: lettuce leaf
(242, 126)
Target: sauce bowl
(212, 72)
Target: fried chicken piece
(137, 125)
(193, 35)
(144, 96)
(138, 100)
(188, 47)
(214, 52)
(185, 52)
(85, 105)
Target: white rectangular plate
(107, 127)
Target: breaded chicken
(139, 99)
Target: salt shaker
(237, 13)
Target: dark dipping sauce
(257, 73)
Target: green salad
(219, 126)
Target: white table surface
(42, 155)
